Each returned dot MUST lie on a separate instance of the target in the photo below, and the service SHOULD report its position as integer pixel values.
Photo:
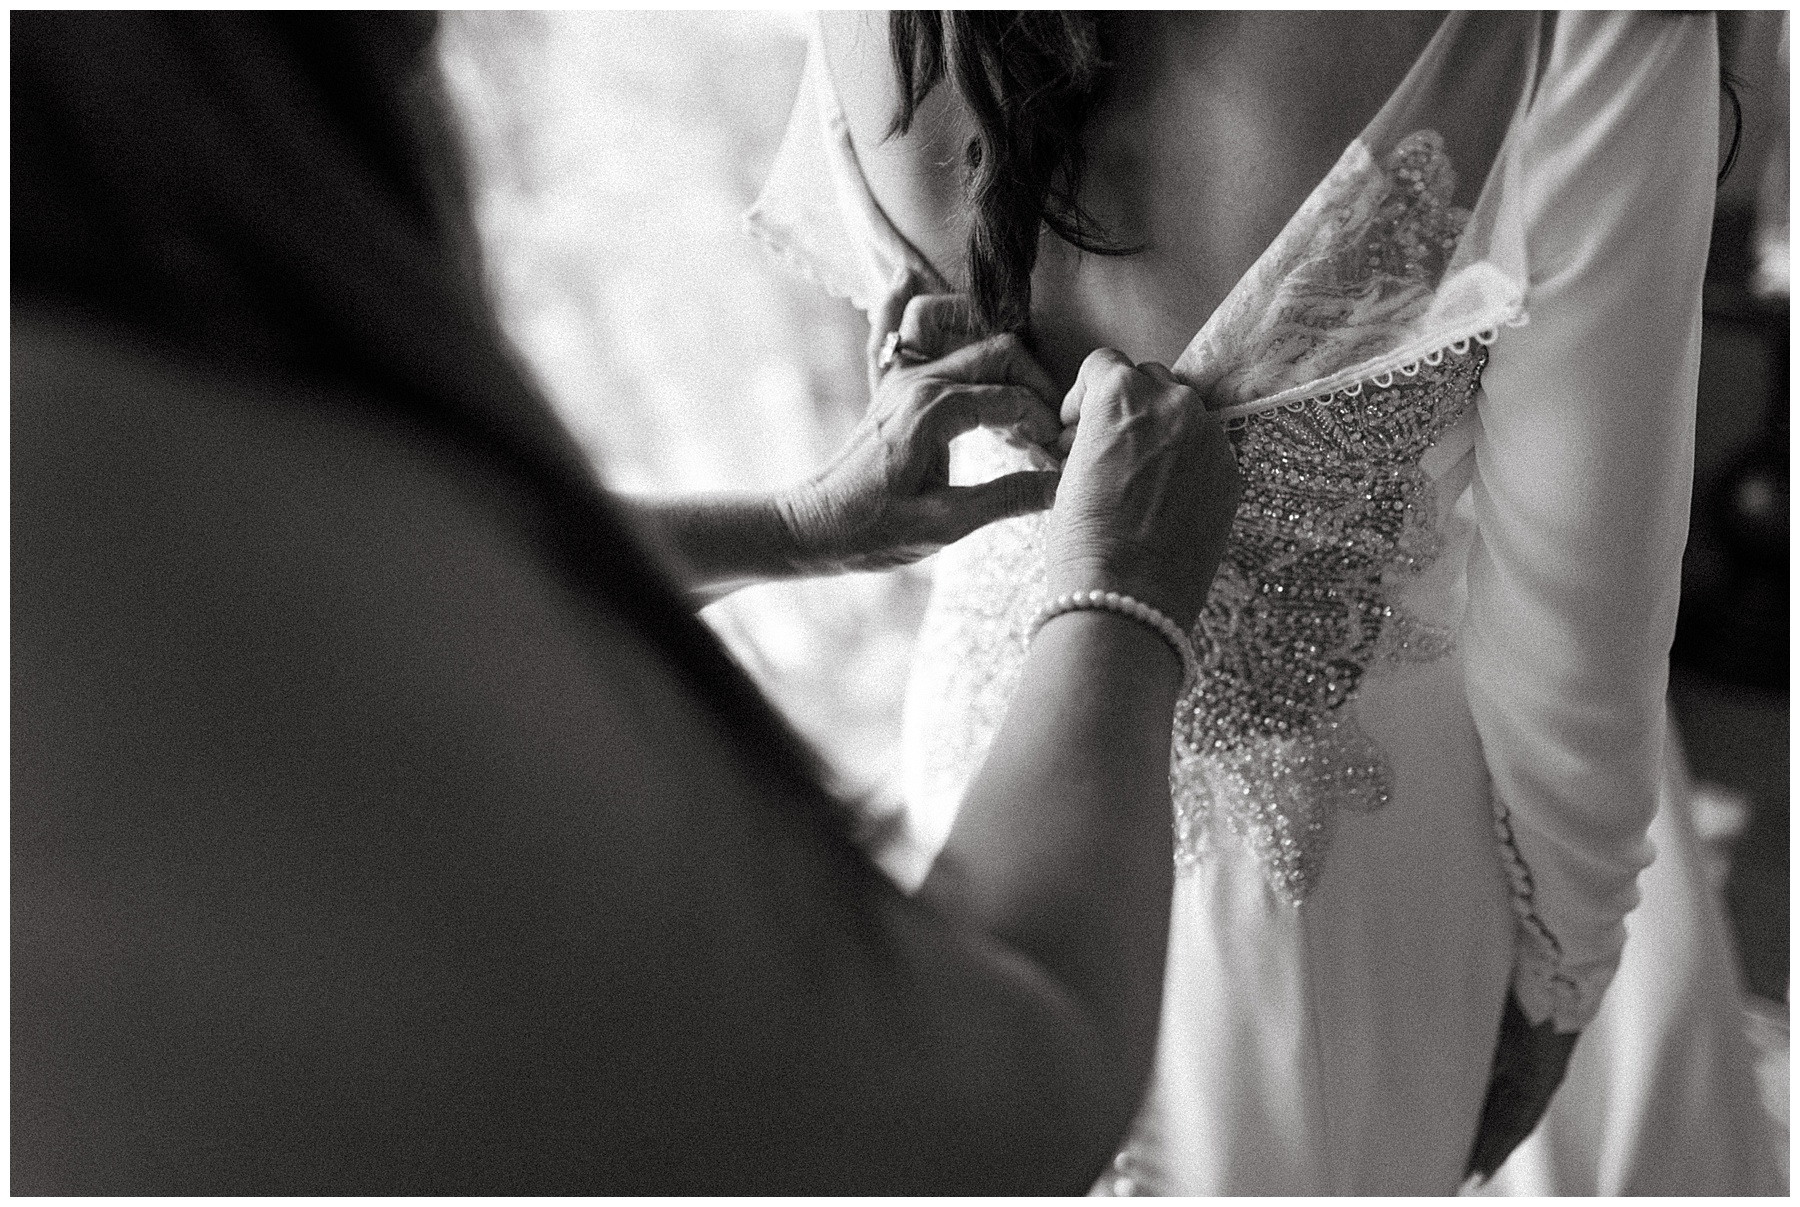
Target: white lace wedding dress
(1425, 752)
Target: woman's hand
(1148, 492)
(886, 499)
(1062, 843)
(1529, 1063)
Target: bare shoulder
(916, 177)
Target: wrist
(797, 520)
(718, 542)
(1079, 575)
(1149, 618)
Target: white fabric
(1656, 1099)
(1343, 1046)
(1244, 357)
(1584, 461)
(815, 214)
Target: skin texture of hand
(1529, 1063)
(886, 500)
(1149, 489)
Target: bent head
(1030, 80)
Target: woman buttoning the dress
(384, 820)
(1439, 276)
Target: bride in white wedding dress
(1442, 278)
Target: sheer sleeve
(1583, 471)
(815, 214)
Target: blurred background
(614, 154)
(1729, 684)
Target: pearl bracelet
(1124, 605)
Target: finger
(1098, 364)
(1159, 371)
(936, 323)
(891, 310)
(996, 360)
(967, 508)
(1485, 1158)
(1041, 456)
(1101, 362)
(1530, 1061)
(1070, 413)
(1493, 1148)
(1010, 408)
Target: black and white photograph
(760, 602)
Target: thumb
(972, 507)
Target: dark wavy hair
(1030, 80)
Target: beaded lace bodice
(1336, 517)
(1474, 553)
(1336, 513)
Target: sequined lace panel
(1351, 284)
(1335, 515)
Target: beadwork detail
(1544, 989)
(1355, 282)
(1336, 515)
(1124, 605)
(1335, 510)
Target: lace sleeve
(815, 214)
(1583, 471)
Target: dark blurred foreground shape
(382, 821)
(1729, 683)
